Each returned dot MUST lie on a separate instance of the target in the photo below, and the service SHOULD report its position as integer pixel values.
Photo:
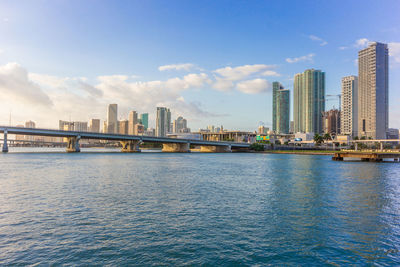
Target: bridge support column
(356, 146)
(131, 146)
(381, 146)
(176, 147)
(5, 145)
(73, 144)
(216, 149)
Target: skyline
(216, 71)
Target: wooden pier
(366, 156)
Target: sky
(212, 62)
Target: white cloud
(242, 72)
(16, 86)
(255, 86)
(1, 51)
(394, 51)
(321, 41)
(361, 43)
(270, 73)
(308, 57)
(343, 47)
(183, 66)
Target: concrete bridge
(130, 143)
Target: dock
(366, 156)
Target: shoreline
(300, 152)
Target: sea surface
(231, 209)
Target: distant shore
(300, 152)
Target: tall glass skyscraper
(144, 119)
(163, 121)
(308, 101)
(280, 109)
(112, 118)
(373, 91)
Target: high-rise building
(308, 101)
(61, 125)
(123, 127)
(133, 120)
(262, 129)
(139, 129)
(163, 121)
(30, 124)
(144, 119)
(80, 126)
(331, 121)
(94, 125)
(373, 91)
(349, 109)
(280, 109)
(179, 125)
(112, 118)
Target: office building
(349, 109)
(94, 125)
(80, 126)
(133, 120)
(163, 121)
(373, 91)
(112, 118)
(144, 119)
(308, 101)
(280, 109)
(179, 125)
(139, 129)
(123, 127)
(331, 122)
(262, 129)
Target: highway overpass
(130, 143)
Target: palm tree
(318, 139)
(327, 136)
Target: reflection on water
(217, 209)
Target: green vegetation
(257, 147)
(318, 139)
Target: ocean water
(233, 209)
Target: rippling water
(197, 209)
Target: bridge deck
(115, 137)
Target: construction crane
(330, 97)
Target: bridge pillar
(381, 146)
(176, 147)
(73, 144)
(130, 146)
(356, 146)
(5, 145)
(216, 149)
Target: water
(197, 209)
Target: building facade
(123, 127)
(308, 101)
(179, 125)
(373, 91)
(144, 119)
(112, 118)
(94, 125)
(133, 120)
(331, 121)
(281, 109)
(349, 106)
(163, 121)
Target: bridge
(130, 143)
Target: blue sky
(68, 59)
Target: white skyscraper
(112, 118)
(373, 91)
(133, 120)
(349, 112)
